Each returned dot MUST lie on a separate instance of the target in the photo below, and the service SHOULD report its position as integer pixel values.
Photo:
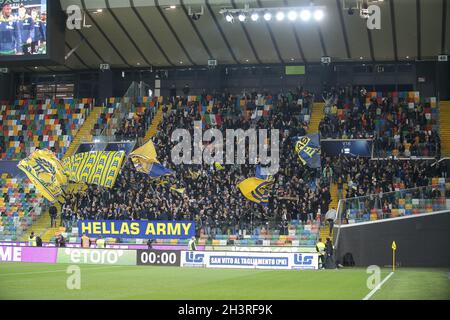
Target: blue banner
(137, 229)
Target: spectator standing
(53, 212)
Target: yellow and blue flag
(95, 167)
(144, 157)
(308, 150)
(157, 170)
(145, 161)
(46, 172)
(257, 190)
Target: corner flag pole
(394, 248)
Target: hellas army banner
(99, 167)
(139, 229)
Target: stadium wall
(421, 241)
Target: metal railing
(393, 204)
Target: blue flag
(308, 150)
(261, 173)
(157, 170)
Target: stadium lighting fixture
(254, 16)
(274, 13)
(305, 15)
(280, 16)
(267, 16)
(292, 15)
(318, 15)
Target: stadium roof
(142, 33)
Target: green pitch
(43, 281)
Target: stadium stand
(400, 124)
(20, 207)
(223, 216)
(28, 124)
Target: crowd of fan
(211, 196)
(363, 176)
(396, 128)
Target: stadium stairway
(156, 122)
(85, 131)
(316, 116)
(445, 128)
(334, 196)
(39, 228)
(325, 233)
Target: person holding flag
(145, 161)
(257, 189)
(308, 150)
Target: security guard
(9, 32)
(85, 241)
(100, 243)
(192, 246)
(320, 248)
(32, 241)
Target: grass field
(42, 281)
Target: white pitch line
(50, 271)
(371, 293)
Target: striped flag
(213, 119)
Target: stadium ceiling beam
(224, 38)
(150, 33)
(197, 32)
(90, 46)
(297, 39)
(250, 42)
(344, 30)
(269, 28)
(419, 27)
(322, 41)
(444, 26)
(371, 47)
(77, 56)
(394, 29)
(83, 2)
(172, 30)
(127, 34)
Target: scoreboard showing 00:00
(158, 257)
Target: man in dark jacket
(10, 40)
(53, 214)
(329, 262)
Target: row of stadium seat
(28, 125)
(20, 206)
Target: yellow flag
(256, 190)
(144, 157)
(181, 190)
(194, 175)
(45, 171)
(218, 166)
